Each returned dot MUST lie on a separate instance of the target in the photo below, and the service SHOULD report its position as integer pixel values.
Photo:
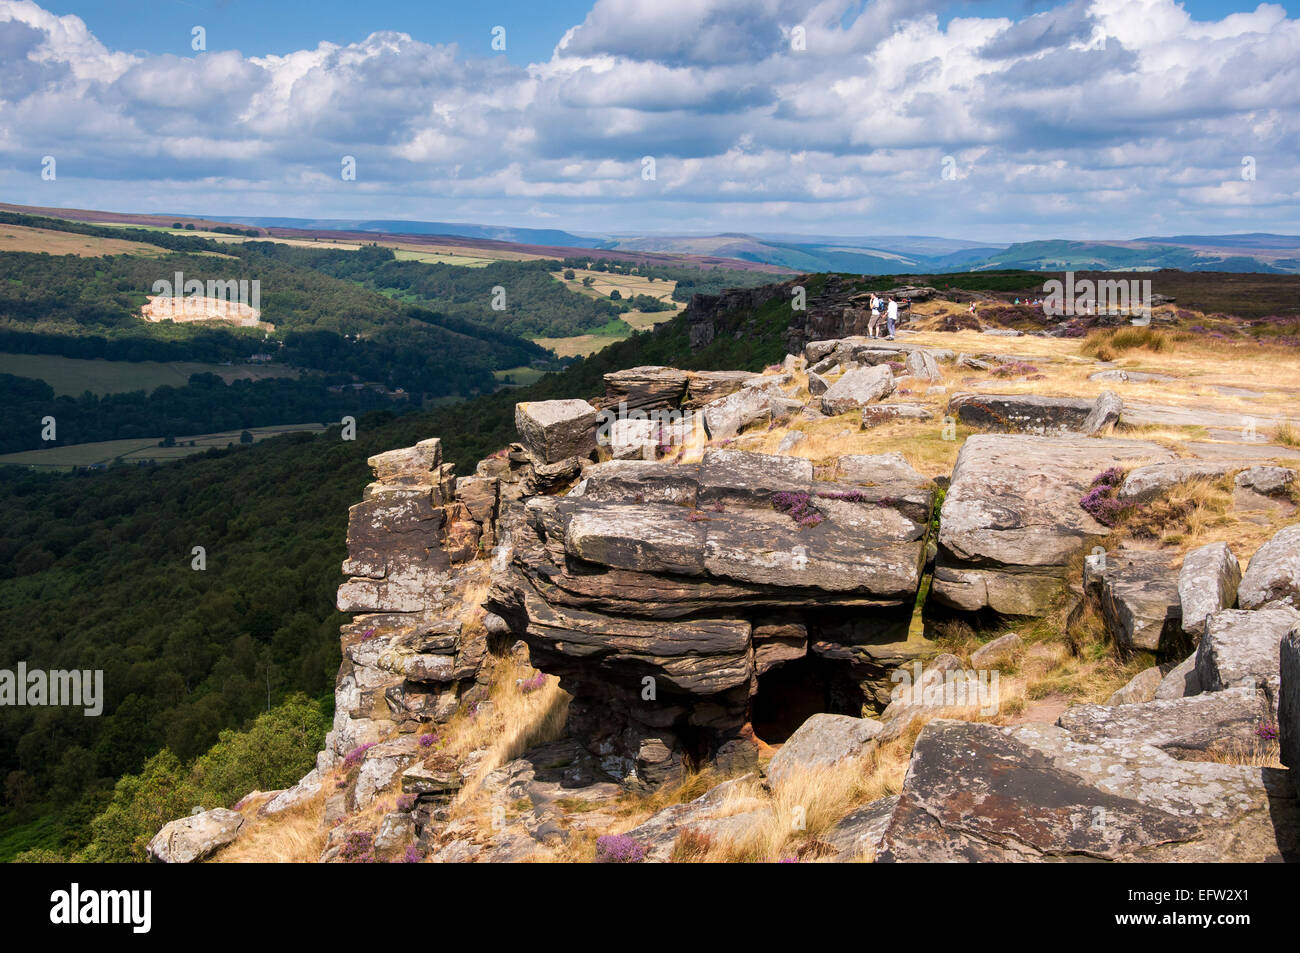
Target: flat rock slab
(975, 792)
(1011, 519)
(1148, 482)
(1183, 727)
(1032, 413)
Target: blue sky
(999, 120)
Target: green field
(142, 450)
(520, 376)
(73, 376)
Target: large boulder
(1242, 648)
(976, 792)
(725, 418)
(645, 388)
(1011, 520)
(555, 430)
(921, 363)
(1207, 582)
(822, 742)
(1272, 576)
(857, 387)
(1266, 480)
(1138, 596)
(195, 838)
(1142, 687)
(1184, 727)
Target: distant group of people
(883, 311)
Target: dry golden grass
(295, 836)
(1259, 754)
(21, 238)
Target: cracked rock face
(975, 792)
(661, 593)
(1011, 520)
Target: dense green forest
(97, 575)
(205, 405)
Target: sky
(989, 120)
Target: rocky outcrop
(409, 658)
(1142, 687)
(195, 838)
(1272, 576)
(662, 594)
(1011, 520)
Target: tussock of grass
(1104, 345)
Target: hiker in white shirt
(891, 318)
(873, 322)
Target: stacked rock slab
(407, 661)
(660, 593)
(1011, 520)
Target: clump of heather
(357, 755)
(798, 506)
(367, 635)
(897, 367)
(530, 685)
(427, 740)
(1267, 731)
(358, 848)
(1101, 503)
(412, 855)
(618, 849)
(695, 516)
(405, 802)
(1015, 369)
(847, 496)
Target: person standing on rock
(873, 323)
(891, 318)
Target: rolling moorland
(104, 559)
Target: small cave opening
(790, 693)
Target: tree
(245, 437)
(568, 274)
(142, 803)
(615, 295)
